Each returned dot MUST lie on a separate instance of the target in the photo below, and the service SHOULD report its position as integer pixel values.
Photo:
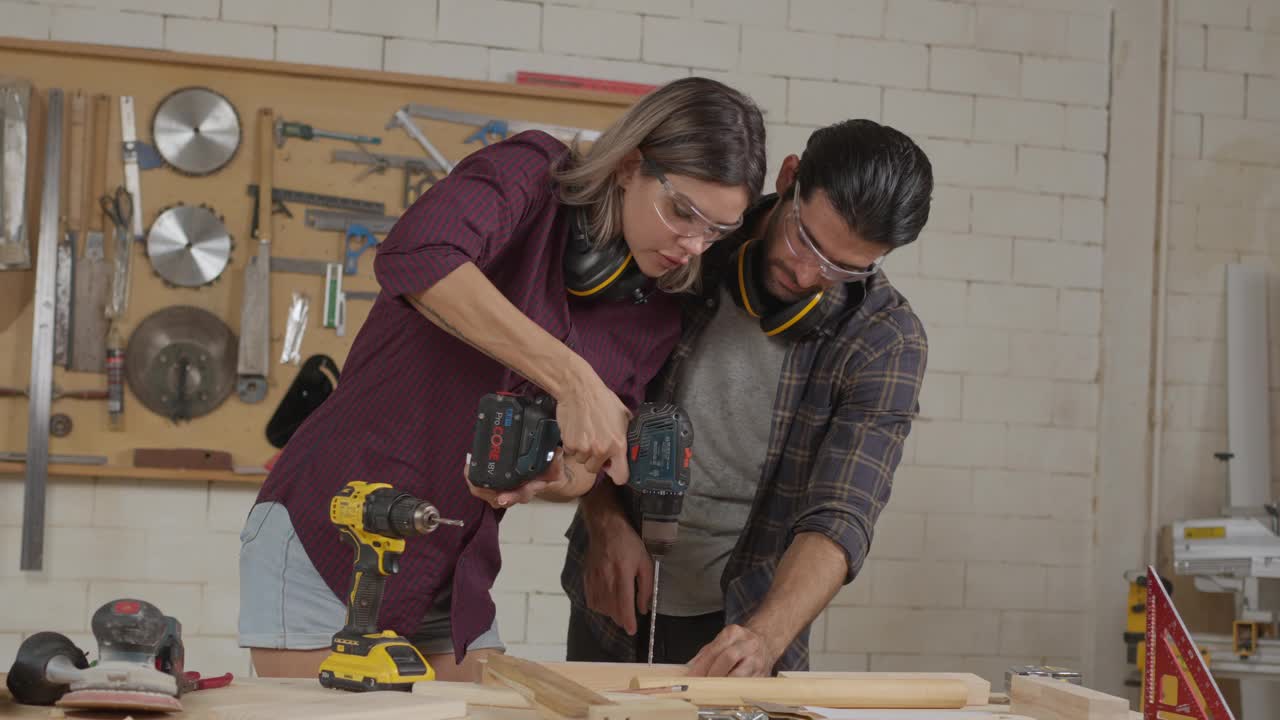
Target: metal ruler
(41, 387)
(488, 125)
(279, 196)
(340, 221)
(131, 182)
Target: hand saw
(73, 182)
(254, 355)
(93, 274)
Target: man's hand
(562, 480)
(618, 574)
(738, 651)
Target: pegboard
(327, 98)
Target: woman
(530, 268)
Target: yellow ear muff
(793, 320)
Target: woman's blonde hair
(695, 127)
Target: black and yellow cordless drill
(376, 518)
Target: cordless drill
(376, 518)
(516, 439)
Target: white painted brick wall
(930, 21)
(1022, 31)
(882, 62)
(843, 17)
(1264, 16)
(1019, 122)
(1224, 13)
(472, 21)
(975, 164)
(1191, 46)
(813, 102)
(1006, 399)
(292, 13)
(213, 37)
(1059, 171)
(1017, 213)
(1082, 220)
(436, 58)
(322, 47)
(26, 21)
(680, 41)
(1089, 37)
(1243, 51)
(73, 24)
(391, 18)
(1071, 81)
(786, 52)
(979, 72)
(613, 34)
(1086, 129)
(1011, 306)
(1263, 98)
(1198, 91)
(766, 13)
(929, 113)
(1245, 141)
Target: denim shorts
(286, 605)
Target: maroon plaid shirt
(402, 412)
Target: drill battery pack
(515, 440)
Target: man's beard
(770, 268)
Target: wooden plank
(612, 676)
(554, 691)
(348, 706)
(827, 692)
(1044, 699)
(979, 687)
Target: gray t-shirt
(727, 389)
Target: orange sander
(139, 668)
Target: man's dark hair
(876, 177)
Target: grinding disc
(188, 245)
(196, 130)
(181, 362)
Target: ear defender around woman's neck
(745, 280)
(606, 273)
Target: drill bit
(653, 606)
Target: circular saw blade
(196, 130)
(181, 362)
(188, 245)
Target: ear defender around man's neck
(607, 272)
(745, 279)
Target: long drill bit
(653, 606)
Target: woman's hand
(593, 427)
(562, 480)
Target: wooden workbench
(208, 704)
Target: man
(800, 368)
